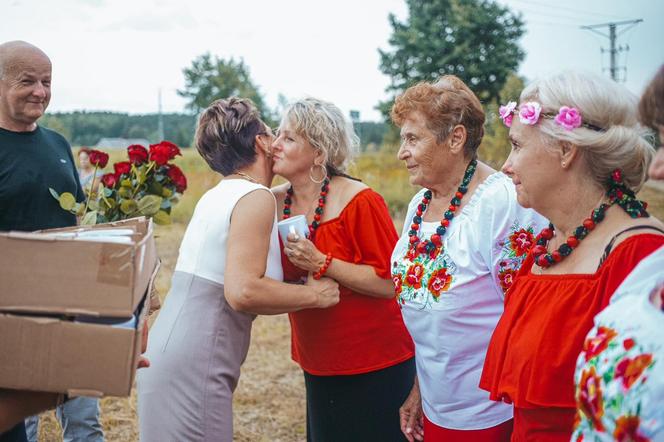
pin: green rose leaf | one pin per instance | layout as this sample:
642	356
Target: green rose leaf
89	219
67	201
128	206
149	205
107	192
162	218
156	188
93	205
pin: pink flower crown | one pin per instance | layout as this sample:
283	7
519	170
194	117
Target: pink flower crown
530	113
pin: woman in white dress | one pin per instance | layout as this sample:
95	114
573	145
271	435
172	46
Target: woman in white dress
228	271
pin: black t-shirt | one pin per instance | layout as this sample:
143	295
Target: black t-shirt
30	163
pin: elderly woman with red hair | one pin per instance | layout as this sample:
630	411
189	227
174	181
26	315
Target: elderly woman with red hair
464	237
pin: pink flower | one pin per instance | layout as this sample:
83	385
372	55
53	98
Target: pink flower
569	118
529	113
506	113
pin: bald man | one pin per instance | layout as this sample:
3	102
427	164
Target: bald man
32	159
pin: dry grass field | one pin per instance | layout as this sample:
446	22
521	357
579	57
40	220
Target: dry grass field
269	401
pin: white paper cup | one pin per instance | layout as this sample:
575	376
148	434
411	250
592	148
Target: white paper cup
295	224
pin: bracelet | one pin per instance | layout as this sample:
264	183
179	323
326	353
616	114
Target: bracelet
319	274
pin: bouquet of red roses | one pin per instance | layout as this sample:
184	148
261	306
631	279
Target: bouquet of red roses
146	185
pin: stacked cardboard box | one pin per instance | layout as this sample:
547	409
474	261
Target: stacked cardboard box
72	304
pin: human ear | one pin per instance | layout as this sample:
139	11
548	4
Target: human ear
457	139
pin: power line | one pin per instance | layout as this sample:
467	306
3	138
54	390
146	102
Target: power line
613	49
575	10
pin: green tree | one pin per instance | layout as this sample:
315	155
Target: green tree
476	40
210	78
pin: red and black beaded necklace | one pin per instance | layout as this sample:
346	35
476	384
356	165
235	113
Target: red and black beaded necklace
618	193
435	242
319	210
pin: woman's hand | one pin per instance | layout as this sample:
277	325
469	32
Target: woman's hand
303	253
411	415
327	290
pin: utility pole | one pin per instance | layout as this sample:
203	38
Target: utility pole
612	36
160	122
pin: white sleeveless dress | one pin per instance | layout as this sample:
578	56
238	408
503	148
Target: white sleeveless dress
198	342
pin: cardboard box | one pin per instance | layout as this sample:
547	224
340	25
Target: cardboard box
59	355
42	274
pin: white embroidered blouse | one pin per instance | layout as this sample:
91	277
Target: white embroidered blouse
620	372
451	303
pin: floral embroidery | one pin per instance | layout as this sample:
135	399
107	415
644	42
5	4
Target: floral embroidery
629	370
514	250
506	277
423	278
439	282
597	344
610	386
414	276
590	398
396	279
521	241
627	430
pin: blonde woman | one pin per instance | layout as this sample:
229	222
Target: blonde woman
578	156
356	356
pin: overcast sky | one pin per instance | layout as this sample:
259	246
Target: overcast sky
116	54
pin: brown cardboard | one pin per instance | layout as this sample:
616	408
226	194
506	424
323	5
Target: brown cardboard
51	354
39	274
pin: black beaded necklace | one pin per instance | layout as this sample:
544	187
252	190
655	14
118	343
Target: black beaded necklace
618	193
435	242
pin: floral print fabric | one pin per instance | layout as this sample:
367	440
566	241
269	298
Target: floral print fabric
620	375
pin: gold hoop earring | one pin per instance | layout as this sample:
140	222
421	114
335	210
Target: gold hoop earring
324	173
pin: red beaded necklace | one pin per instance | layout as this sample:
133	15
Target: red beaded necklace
435	242
318	212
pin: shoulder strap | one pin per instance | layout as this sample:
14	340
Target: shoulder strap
609	246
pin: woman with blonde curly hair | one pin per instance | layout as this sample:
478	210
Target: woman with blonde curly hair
357	356
578	156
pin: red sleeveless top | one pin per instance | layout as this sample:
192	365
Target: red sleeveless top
532	354
361	333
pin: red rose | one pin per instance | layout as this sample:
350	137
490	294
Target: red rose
122	168
177	177
98	158
173	148
160	154
166	150
109	180
137	154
